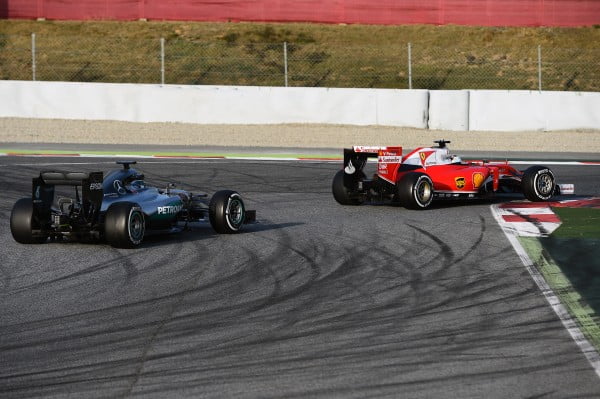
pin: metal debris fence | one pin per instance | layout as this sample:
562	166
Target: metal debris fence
303	64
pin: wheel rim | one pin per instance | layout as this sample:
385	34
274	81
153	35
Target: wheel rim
235	213
136	226
423	192
544	184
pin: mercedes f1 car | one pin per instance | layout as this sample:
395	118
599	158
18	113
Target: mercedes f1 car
429	173
119	208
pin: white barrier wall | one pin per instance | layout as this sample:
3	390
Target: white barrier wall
504	110
213	104
481	110
449	110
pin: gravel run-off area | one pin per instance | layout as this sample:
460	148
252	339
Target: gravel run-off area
18	130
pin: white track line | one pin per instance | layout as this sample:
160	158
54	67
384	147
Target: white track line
586	347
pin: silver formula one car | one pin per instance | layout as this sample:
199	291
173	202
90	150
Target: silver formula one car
119	208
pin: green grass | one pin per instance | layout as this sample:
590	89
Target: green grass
578	223
443	57
571	269
569	261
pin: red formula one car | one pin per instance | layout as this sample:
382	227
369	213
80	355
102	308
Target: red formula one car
429	173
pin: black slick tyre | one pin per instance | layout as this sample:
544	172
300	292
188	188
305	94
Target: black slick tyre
22	223
124	225
341	194
415	191
538	183
226	212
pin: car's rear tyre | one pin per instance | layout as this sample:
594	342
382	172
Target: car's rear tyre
538	183
226	212
124	225
22	222
341	194
415	190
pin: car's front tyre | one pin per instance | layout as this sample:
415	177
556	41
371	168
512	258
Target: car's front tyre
538	183
124	225
226	212
23	222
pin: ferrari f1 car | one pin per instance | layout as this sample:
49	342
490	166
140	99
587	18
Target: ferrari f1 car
119	208
429	173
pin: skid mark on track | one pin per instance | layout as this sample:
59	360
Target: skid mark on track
354	303
179	299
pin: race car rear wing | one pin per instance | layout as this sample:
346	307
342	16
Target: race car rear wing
355	158
42	192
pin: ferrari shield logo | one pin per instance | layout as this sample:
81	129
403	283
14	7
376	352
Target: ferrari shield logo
460	182
424	155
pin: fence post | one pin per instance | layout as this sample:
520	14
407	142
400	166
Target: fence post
539	68
33	56
162	60
285	63
409	67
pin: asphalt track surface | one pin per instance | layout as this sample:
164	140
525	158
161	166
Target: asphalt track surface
314	300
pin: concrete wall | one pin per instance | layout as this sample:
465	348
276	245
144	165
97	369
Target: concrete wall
493	110
507	110
449	110
212	104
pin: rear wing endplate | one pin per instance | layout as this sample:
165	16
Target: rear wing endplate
91	190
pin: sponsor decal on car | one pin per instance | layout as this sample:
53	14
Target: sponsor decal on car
478	179
95	186
350	169
168	209
367	148
460	182
424	155
392	158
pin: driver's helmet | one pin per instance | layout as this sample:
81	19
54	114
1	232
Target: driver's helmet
455	159
134	182
136	185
